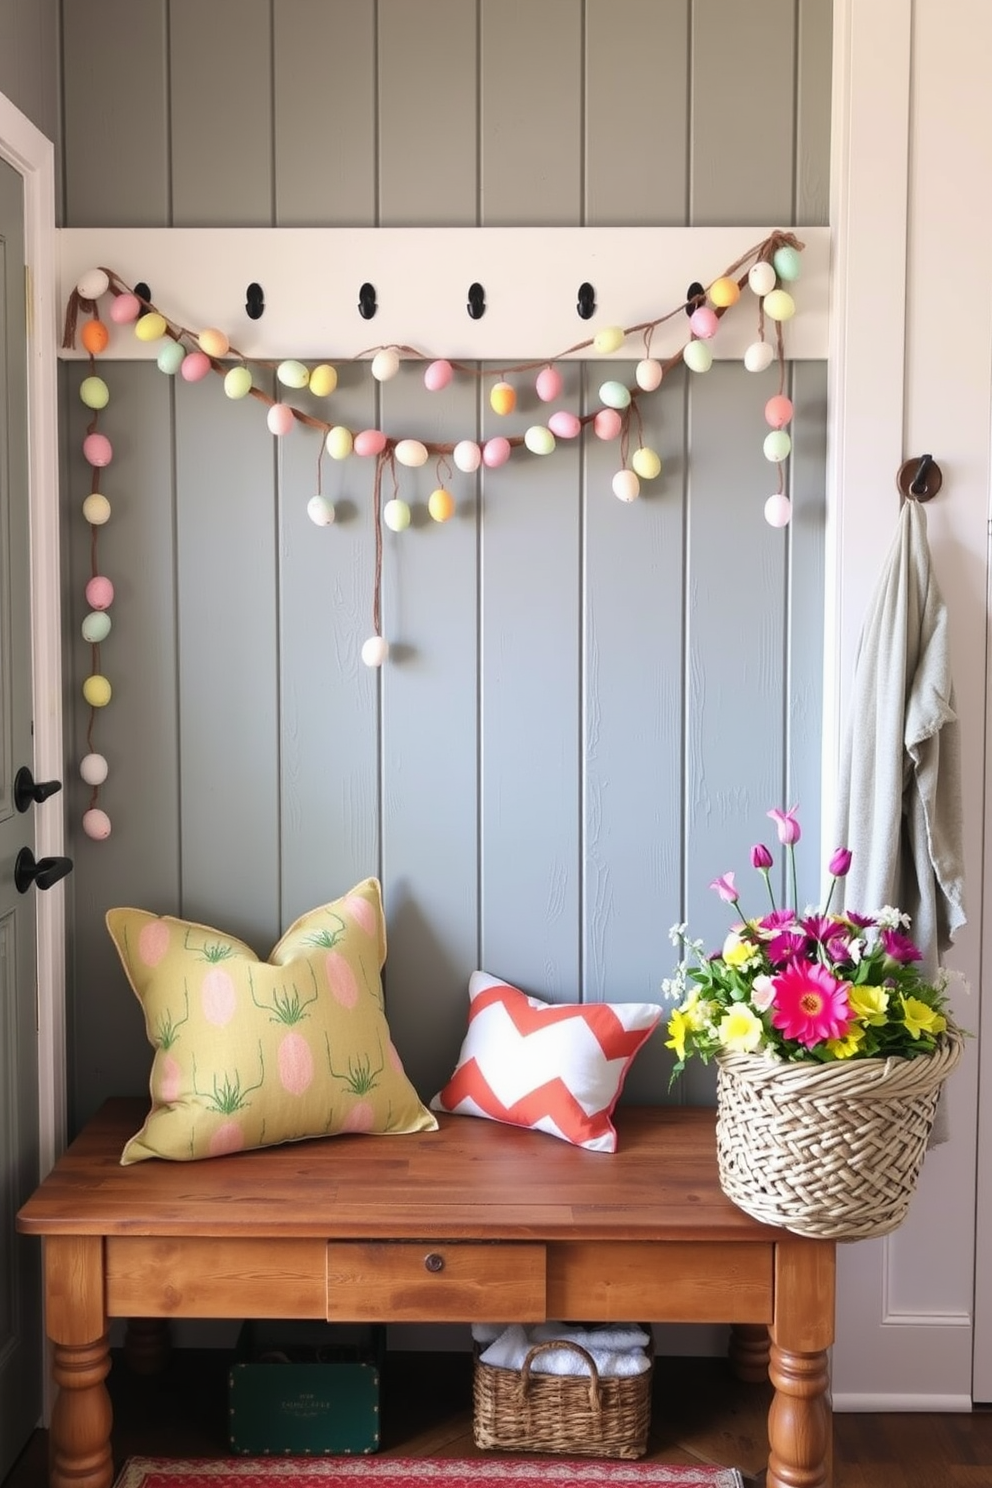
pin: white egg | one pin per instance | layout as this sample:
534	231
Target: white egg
375	650
93	768
758	356
92	284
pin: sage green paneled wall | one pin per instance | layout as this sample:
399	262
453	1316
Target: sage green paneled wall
590	706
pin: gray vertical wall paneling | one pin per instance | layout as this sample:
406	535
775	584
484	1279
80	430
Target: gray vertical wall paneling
632	820
742	112
29	48
136	732
430	737
531	112
806	602
116	113
428	113
229	692
531	607
328	703
736	577
815	43
221	113
324	113
636	85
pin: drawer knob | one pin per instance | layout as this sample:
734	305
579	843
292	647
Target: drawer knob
434	1262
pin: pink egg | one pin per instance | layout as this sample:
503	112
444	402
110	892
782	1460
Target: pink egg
194	366
124	308
280	418
495	452
369	442
564	424
704	322
778	411
607	423
98	450
96	824
99	593
548	384
437	376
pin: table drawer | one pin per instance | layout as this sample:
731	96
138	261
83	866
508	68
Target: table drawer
435	1281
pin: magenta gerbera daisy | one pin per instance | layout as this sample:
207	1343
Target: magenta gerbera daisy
810	1005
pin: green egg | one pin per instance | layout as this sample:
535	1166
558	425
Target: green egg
293	374
787	262
96	627
237	382
614	395
697	356
539	440
170	358
94	392
777	445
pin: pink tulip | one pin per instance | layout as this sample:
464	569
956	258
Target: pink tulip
725	888
788	827
840	863
761	858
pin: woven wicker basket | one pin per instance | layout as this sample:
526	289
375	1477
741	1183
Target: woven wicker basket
578	1415
828	1150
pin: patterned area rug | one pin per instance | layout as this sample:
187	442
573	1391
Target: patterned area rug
416	1472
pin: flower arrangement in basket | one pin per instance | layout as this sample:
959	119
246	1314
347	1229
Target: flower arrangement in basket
831	1051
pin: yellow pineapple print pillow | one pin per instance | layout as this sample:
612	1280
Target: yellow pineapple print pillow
251	1053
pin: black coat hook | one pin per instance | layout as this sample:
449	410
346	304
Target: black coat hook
476	305
254	302
144	293
694	296
586	302
919	479
367	305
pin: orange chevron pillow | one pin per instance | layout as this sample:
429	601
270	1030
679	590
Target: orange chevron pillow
552	1067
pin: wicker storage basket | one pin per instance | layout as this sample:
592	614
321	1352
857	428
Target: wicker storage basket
828	1150
578	1415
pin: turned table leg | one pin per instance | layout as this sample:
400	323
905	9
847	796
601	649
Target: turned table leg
81	1417
748	1352
147	1344
76	1322
799	1420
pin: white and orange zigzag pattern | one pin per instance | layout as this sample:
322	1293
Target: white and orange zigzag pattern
557	1068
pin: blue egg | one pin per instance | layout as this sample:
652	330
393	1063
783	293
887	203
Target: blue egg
170	358
614	395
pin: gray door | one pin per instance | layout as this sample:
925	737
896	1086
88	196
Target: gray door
20	1295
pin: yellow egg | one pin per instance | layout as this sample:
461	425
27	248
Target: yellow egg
724	291
96	509
339	442
503	397
150	327
96	691
323	380
610	338
646	463
440	504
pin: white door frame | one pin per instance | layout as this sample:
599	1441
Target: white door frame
33	157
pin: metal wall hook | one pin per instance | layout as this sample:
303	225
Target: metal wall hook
919	479
367	305
694	296
143	292
586	302
476	305
254	302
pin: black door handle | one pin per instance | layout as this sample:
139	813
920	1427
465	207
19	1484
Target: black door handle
43	873
27	793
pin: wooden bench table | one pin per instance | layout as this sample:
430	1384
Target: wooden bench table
475	1222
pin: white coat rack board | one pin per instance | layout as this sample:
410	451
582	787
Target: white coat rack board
294	303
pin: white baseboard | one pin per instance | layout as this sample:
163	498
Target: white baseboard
900	1404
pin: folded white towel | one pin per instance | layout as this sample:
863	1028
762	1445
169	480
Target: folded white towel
487	1332
513	1345
610	1336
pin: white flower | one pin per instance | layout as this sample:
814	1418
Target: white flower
762	993
890	918
677	933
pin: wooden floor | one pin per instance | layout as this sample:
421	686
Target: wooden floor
700	1413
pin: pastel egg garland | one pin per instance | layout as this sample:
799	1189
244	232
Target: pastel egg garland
769	270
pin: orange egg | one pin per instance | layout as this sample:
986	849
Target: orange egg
503	398
94	337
